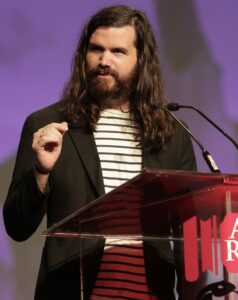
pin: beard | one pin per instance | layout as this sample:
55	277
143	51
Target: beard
110	90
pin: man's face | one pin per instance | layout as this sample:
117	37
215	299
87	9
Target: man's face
111	62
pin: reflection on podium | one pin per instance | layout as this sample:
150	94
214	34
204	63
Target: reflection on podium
185	222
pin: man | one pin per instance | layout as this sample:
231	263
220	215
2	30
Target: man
102	133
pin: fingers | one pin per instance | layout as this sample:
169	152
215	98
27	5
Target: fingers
61	127
57	127
50	134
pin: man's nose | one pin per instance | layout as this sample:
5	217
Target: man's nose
105	59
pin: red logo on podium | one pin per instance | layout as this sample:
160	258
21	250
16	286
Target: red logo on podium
205	239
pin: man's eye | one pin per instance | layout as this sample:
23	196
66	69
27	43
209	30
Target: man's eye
95	49
119	51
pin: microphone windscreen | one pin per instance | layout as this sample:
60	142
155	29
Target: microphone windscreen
173	106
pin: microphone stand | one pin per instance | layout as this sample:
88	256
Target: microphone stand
175	106
206	155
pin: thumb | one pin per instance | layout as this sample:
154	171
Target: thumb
64	127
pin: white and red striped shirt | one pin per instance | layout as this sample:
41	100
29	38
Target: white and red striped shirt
122	270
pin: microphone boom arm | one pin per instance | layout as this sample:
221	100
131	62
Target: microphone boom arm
175	106
207	156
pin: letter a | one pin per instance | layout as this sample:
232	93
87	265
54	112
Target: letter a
235	229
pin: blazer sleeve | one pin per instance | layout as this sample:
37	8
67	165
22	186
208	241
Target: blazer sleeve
25	205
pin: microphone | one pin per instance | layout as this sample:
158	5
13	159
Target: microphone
175	107
206	155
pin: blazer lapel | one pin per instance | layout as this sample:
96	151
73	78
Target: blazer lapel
86	148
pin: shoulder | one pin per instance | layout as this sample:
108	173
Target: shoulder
181	134
48	112
180	149
45	116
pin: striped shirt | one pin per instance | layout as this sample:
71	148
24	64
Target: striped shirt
122	270
119	153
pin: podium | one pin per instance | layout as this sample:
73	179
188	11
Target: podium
186	222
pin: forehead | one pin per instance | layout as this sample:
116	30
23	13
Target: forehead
114	36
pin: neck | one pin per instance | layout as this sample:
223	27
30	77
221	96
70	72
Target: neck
116	104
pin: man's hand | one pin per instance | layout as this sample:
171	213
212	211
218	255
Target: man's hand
47	144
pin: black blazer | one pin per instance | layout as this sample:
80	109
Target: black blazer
75	181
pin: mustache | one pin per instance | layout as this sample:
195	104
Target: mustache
103	71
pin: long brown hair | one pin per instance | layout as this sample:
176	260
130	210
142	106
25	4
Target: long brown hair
155	126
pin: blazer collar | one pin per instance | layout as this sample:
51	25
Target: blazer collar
87	151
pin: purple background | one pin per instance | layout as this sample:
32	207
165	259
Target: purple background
198	47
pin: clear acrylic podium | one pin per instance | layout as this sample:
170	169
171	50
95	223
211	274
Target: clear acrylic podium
187	223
